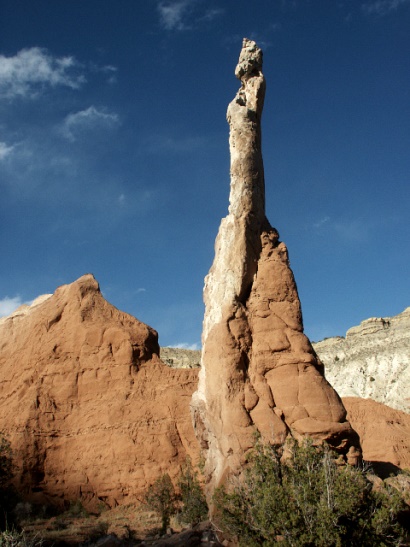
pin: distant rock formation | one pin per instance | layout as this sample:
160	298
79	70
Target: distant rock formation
89	408
373	361
259	371
181	358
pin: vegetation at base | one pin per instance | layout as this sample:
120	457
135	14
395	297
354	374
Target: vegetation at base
307	500
161	497
8	496
189	502
13	538
194	507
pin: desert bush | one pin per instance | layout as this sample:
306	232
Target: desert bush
8	496
77	509
307	500
13	538
161	497
194	506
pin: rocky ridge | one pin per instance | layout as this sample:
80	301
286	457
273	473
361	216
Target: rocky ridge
372	361
259	371
89	408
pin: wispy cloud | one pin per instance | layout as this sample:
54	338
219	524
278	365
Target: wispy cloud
86	120
383	7
9	305
5	150
210	15
185	14
350	230
32	70
321	222
172	14
184	345
356	230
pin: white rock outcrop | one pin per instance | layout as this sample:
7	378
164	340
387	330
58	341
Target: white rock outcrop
372	362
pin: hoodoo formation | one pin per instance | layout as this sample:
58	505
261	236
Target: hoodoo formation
259	371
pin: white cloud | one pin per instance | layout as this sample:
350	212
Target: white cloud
382	7
184	345
32	70
171	14
348	230
5	150
9	305
320	222
88	119
184	14
210	15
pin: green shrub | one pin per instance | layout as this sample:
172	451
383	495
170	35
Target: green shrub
307	500
161	497
194	506
77	509
8	495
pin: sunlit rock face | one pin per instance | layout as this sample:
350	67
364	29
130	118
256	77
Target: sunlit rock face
372	361
91	411
259	372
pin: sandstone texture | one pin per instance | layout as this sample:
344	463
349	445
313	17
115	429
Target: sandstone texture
259	371
384	433
181	358
373	361
90	409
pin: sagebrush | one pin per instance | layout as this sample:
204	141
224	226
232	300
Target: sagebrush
307	500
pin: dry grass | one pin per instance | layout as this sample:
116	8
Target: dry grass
127	522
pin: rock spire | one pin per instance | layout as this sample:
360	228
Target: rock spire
259	371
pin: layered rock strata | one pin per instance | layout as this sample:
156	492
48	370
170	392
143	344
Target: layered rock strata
259	372
372	361
90	409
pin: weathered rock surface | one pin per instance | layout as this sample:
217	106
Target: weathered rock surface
89	408
384	433
373	361
259	371
181	358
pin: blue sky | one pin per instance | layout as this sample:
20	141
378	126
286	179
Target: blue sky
114	151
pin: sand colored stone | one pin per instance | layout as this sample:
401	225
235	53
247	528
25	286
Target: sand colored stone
259	371
384	433
89	408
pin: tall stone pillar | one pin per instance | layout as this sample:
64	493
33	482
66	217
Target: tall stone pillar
259	371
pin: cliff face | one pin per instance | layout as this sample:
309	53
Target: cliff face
384	434
373	361
89	408
259	371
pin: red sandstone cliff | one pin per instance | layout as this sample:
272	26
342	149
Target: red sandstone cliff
89	408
